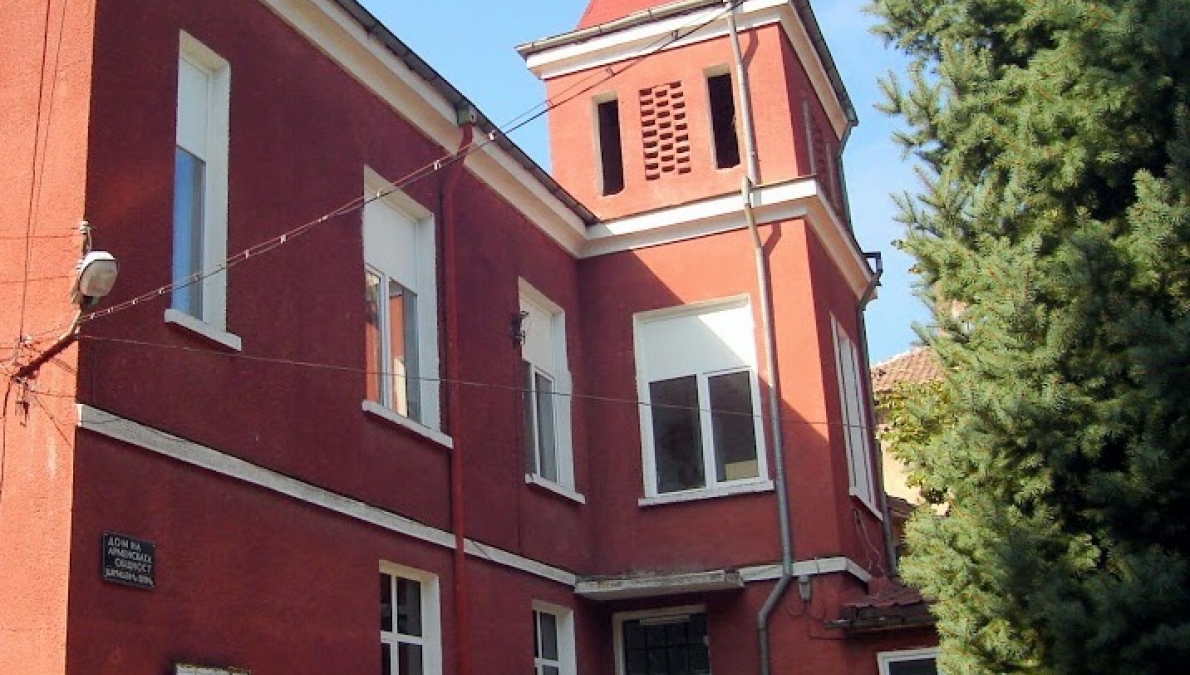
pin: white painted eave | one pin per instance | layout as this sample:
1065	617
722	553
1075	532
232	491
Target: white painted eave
589	49
658	585
364	57
777	202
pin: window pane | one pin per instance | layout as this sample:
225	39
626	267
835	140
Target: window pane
386	603
550	670
922	666
408	607
733	425
189	193
412	365
402	334
547	441
409	659
386	659
727	144
549	636
529	399
677	439
373	341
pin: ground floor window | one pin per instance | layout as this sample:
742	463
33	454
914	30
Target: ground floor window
410	638
553	640
909	662
670	642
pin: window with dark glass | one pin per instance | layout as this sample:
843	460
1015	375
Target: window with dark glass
611	153
402	635
547	657
675	645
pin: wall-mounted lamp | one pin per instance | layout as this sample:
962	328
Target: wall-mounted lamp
517	328
876	260
96	275
804	587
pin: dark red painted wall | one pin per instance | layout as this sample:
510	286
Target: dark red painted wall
250	578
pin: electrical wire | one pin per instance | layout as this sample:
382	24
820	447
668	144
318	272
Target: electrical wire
473	384
431	168
34	174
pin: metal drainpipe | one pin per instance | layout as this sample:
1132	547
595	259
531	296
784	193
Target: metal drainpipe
770	352
450	295
890	549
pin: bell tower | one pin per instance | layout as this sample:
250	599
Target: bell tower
651	102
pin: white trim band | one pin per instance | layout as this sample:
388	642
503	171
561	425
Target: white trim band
168	445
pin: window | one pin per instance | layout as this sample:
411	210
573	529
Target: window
553	640
727	143
697	371
410	633
856	434
200	187
547	389
400	303
611	154
908	662
665	642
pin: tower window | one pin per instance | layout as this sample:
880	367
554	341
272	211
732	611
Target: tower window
727	144
611	155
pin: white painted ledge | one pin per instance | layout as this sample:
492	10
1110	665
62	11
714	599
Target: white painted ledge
393	417
750	487
556	488
203	330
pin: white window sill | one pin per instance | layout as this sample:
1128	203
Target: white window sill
203	330
393	417
867	503
556	488
727	490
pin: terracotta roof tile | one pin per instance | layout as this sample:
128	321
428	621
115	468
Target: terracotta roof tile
914	367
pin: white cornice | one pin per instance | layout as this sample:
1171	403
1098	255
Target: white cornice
165	444
342	39
154	440
639	40
799	198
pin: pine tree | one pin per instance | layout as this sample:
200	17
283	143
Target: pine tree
1052	235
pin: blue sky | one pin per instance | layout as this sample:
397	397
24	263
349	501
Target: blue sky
471	43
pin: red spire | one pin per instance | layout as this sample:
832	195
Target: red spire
602	11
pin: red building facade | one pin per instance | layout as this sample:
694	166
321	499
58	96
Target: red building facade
555	421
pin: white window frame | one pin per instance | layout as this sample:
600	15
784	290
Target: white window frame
383	254
544	350
206	135
855	427
883	659
747	361
620	618
431	609
567	663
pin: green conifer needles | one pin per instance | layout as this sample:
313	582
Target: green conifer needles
1052	234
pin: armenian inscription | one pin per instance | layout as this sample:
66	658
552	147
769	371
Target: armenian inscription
127	560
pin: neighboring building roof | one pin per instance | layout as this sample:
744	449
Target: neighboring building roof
916	366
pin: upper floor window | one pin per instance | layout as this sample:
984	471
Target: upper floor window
611	152
547	386
723	122
697	375
200	187
856	432
553	640
410	629
400	297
